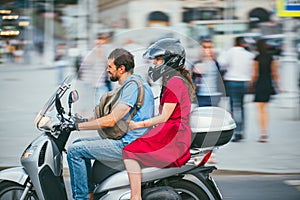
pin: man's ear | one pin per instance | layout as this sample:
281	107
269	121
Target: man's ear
122	69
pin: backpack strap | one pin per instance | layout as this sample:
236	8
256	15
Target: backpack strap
140	97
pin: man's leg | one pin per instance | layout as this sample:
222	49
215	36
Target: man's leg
204	101
78	171
235	91
81	151
244	88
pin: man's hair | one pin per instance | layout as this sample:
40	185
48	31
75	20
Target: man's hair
206	40
239	41
122	57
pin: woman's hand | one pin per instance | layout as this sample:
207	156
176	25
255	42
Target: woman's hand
133	125
167	110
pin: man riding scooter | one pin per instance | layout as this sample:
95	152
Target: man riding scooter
120	67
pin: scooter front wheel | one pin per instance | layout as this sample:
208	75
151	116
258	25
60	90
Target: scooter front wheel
13	191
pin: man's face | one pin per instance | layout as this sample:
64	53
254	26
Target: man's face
207	49
102	40
112	70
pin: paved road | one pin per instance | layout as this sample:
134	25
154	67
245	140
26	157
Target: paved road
259	187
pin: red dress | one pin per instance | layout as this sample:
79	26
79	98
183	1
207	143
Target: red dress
168	144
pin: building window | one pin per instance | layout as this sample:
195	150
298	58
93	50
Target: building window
158	18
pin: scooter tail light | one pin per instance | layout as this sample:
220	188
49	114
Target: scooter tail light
205	158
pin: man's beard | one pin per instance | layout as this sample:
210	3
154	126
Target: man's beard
113	78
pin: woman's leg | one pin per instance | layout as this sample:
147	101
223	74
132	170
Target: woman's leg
263	121
135	178
263	117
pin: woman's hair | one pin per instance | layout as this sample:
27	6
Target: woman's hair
261	46
186	76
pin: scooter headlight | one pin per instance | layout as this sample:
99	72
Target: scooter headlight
28	152
44	122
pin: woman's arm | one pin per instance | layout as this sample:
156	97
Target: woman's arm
274	69
275	75
254	72
167	110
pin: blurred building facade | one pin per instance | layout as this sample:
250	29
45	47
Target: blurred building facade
203	18
141	13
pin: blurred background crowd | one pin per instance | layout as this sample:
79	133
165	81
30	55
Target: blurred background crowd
65	33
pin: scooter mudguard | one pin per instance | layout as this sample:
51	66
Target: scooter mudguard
17	175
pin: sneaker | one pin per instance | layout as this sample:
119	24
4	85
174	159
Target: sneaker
237	138
263	138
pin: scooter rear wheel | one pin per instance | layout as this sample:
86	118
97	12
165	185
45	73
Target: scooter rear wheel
13	191
188	190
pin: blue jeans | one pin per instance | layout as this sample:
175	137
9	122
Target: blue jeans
208	100
79	157
236	91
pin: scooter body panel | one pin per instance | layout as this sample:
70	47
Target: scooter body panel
120	193
44	167
120	179
16	174
43	152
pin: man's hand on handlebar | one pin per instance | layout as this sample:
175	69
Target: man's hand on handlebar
69	126
79	119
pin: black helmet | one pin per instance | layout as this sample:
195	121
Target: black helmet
172	53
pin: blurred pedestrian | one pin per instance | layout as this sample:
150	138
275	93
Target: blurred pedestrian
93	72
265	78
238	63
105	43
60	61
38	41
18	53
10	49
205	75
75	58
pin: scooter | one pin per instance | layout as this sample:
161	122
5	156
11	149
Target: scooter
41	175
